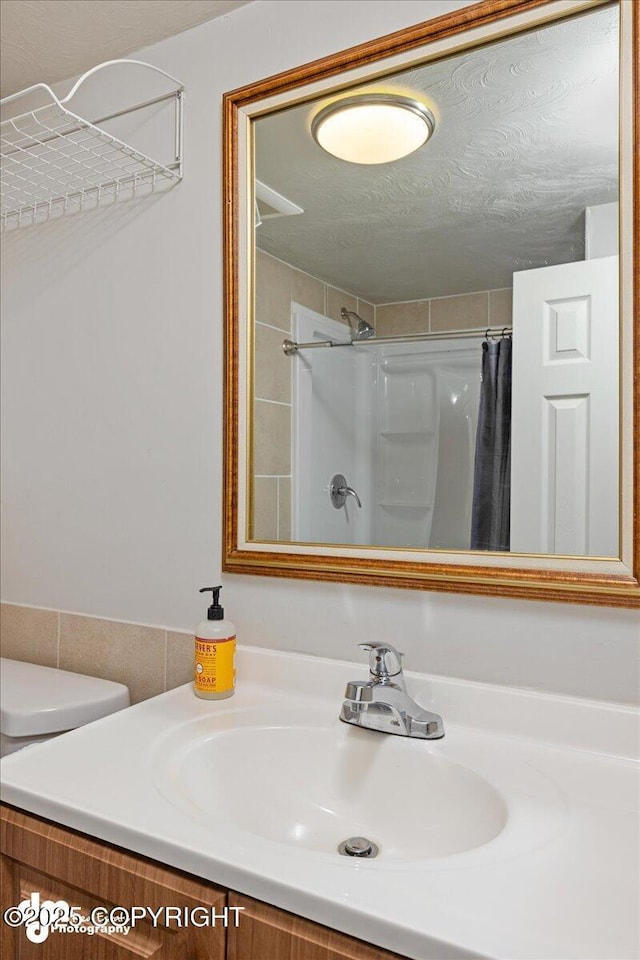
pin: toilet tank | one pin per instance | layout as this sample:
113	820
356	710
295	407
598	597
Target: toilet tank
37	702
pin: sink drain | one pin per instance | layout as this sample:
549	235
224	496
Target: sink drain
358	847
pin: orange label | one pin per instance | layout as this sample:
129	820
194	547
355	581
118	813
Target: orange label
215	665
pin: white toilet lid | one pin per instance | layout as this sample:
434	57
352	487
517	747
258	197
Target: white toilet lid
36	700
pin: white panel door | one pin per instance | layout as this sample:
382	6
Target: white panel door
564	447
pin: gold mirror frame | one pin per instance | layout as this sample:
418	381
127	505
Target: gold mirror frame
610	582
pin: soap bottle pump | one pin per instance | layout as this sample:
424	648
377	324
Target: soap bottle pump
215	649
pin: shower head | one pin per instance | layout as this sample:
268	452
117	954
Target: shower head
360	329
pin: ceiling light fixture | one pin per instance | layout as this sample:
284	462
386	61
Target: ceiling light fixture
373	127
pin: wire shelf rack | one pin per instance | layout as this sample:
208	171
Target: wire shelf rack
54	161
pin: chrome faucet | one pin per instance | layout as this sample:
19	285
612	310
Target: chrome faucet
382	702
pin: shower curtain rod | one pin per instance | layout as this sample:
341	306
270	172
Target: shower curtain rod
290	348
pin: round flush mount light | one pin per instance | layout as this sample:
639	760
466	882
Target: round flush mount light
373	127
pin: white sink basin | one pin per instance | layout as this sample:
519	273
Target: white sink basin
499	840
315	786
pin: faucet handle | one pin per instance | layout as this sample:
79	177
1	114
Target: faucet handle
385	662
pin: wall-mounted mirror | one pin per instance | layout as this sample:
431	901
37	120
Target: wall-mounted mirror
430	309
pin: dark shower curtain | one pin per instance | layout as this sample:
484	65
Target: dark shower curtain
492	472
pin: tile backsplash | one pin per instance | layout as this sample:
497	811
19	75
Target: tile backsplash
149	660
27	633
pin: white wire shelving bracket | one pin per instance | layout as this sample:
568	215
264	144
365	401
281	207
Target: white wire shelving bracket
54	161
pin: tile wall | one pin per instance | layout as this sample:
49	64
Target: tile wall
277	285
148	660
489	308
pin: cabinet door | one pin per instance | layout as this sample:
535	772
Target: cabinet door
60	864
266	933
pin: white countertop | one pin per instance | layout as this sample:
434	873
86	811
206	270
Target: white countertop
560	881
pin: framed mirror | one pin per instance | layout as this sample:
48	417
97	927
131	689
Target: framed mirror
432	328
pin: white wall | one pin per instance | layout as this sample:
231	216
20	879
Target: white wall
112	354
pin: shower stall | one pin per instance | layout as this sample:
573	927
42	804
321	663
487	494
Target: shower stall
398	422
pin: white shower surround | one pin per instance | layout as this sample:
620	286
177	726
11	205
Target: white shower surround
399	422
428	399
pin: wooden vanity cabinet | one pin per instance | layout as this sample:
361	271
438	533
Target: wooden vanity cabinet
64	865
60	864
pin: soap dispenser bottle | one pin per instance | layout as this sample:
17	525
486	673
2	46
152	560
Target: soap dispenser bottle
215	674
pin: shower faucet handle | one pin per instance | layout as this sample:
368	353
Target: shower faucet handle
339	490
350	492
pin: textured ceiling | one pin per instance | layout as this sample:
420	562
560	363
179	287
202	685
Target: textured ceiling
526	138
49	40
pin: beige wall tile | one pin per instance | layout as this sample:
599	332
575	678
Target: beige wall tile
461	312
272	367
397	319
126	652
367	311
273	292
336	299
284	508
272	439
307	291
180	655
265	508
29	634
500	308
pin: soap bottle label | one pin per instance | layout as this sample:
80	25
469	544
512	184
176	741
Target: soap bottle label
215	665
